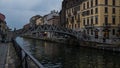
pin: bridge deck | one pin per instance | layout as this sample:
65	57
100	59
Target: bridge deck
3	54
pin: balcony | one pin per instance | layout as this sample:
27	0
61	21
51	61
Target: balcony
107	25
89	26
86	13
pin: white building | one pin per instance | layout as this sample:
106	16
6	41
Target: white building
51	16
51	19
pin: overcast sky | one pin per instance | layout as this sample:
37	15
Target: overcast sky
18	12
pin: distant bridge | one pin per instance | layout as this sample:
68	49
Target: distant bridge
57	29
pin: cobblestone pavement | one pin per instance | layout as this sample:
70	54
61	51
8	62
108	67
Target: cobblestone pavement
3	54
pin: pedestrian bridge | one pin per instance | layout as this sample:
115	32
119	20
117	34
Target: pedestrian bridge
57	29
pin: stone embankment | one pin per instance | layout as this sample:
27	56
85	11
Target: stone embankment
54	40
68	41
88	44
101	46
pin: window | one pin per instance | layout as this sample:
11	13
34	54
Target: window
91	11
106	10
72	10
70	26
91	31
75	25
113	31
106	20
72	20
96	2
78	18
91	20
96	10
87	4
84	6
106	2
113	2
88	12
96	34
67	20
113	10
91	3
96	20
84	22
87	21
113	20
88	31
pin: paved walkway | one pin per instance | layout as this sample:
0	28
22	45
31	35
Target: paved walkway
3	54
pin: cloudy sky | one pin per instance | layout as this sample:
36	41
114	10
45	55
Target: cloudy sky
18	12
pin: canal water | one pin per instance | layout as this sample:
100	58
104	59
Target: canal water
54	55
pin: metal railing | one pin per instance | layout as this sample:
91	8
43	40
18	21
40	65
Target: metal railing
107	25
25	58
91	26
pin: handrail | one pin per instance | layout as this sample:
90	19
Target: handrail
36	62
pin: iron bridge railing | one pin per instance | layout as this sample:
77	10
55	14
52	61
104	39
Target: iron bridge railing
25	58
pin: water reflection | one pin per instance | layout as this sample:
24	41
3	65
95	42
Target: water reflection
53	55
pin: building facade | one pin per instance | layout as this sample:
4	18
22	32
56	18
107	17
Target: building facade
100	19
3	24
52	18
3	27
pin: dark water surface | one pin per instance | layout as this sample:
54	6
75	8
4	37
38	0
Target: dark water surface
54	55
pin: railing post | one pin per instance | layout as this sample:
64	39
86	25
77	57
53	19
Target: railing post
24	57
26	63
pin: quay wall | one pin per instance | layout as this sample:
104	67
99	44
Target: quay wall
101	46
47	39
88	44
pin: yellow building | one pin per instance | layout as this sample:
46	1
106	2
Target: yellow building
100	19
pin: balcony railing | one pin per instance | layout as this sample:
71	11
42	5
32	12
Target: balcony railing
89	26
107	25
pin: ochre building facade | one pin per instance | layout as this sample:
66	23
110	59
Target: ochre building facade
100	19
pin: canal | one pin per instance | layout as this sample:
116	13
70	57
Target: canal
54	55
